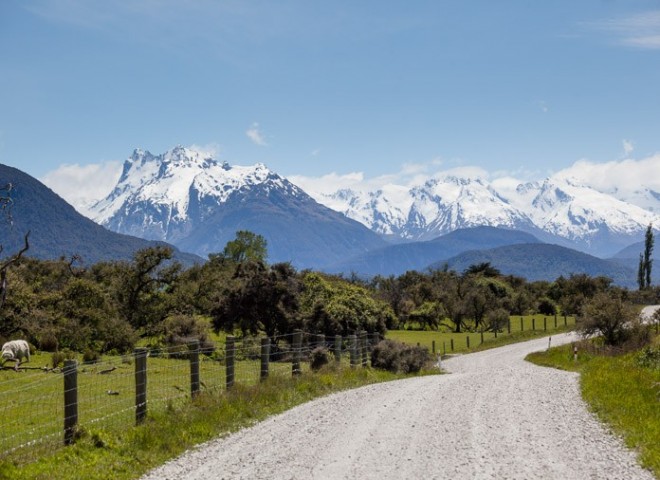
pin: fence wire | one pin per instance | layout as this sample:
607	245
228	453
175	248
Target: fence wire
32	401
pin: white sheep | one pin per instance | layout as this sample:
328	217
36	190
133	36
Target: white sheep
15	350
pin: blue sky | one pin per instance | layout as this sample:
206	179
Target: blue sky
311	88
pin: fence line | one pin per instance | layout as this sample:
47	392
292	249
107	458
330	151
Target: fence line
48	407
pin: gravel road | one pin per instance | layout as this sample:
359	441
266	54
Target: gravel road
494	416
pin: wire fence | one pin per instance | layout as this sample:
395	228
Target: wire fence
46	408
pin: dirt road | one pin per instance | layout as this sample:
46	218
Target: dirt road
494	416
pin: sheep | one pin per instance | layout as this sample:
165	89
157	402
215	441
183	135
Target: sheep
15	350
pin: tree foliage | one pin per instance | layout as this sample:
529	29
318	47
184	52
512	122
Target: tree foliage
607	315
247	246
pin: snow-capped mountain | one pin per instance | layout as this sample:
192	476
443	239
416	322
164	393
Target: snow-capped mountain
186	197
162	197
439	206
556	210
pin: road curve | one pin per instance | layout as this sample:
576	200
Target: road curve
494	416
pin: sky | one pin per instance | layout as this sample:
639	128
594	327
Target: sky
332	93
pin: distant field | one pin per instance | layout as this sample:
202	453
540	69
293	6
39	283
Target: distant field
532	326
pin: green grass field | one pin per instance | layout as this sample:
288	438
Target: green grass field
622	393
127	453
532	326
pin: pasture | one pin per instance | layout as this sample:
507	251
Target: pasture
522	328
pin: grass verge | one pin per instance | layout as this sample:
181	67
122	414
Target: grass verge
623	394
102	454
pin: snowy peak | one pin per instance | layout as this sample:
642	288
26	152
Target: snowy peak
562	209
574	211
157	194
439	205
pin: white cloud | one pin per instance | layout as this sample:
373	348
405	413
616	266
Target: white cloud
625	179
628	147
209	150
638	31
329	183
82	185
255	135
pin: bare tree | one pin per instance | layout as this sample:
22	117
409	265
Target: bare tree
6	202
4	266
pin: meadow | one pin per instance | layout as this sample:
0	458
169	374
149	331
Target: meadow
522	328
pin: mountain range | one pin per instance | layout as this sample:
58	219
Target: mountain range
197	203
560	211
57	229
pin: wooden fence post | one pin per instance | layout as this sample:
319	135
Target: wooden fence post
193	348
265	358
433	347
482	335
337	348
545	324
508	326
565	320
555	321
521	324
352	340
140	385
468	341
533	323
297	350
451	340
70	400
365	348
230	355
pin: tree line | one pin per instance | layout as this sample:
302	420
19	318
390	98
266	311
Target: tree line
110	306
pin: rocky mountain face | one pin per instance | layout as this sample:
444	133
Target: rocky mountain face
198	204
555	211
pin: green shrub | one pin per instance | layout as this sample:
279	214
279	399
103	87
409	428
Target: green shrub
318	358
649	357
396	357
90	356
48	342
57	358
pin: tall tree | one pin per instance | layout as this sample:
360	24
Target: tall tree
247	246
641	277
648	251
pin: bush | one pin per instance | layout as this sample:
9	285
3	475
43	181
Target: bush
318	358
90	356
397	357
497	319
609	316
547	307
181	330
48	342
57	358
649	357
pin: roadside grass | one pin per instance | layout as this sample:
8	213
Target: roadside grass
533	326
620	392
127	453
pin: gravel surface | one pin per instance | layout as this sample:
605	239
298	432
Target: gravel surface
494	417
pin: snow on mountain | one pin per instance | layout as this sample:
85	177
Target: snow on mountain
186	197
156	194
563	209
440	205
575	211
